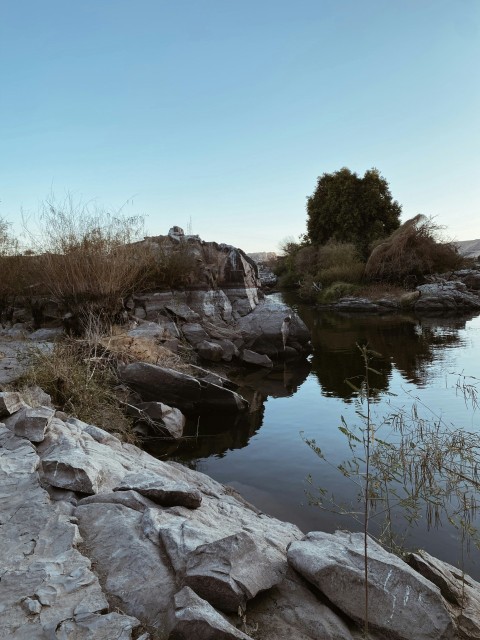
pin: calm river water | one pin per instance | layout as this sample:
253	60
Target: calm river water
265	457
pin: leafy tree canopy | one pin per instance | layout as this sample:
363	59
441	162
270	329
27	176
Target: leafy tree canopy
347	208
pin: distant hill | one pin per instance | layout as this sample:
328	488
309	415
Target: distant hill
469	248
262	256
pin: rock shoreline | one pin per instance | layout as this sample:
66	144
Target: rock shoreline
100	540
449	294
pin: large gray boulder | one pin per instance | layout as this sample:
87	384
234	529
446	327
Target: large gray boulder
402	604
136	574
153	418
229	572
291	611
33	423
446	296
261	329
180	390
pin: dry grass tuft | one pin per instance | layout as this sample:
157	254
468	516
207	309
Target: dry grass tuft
411	252
124	348
81	382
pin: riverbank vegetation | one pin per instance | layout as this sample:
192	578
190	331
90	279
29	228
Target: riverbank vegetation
355	242
86	258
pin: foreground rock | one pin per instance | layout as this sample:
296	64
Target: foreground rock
402	604
158	548
47	587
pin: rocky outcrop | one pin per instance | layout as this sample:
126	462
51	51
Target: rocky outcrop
159	549
451	293
446	296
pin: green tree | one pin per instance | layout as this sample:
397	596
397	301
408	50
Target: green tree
347	208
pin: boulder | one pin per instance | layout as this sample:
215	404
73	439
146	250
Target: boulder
34	423
459	589
136	573
160	384
10	403
229	572
208	350
197	619
160	418
261	329
449	296
161	490
291	611
45	581
180	390
182	311
334	563
251	357
194	333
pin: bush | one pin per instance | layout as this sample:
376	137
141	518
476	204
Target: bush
412	252
321	266
87	259
336	291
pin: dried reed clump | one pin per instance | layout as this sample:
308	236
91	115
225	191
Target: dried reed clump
85	256
411	252
124	349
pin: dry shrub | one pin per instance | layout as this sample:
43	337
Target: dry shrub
172	265
81	382
411	252
86	256
126	348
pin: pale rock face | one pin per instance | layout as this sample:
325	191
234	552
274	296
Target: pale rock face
334	563
461	592
45	581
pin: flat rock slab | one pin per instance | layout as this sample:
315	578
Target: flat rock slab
402	604
136	574
230	571
160	384
197	619
257	359
163	491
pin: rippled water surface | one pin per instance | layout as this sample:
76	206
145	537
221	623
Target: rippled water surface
264	455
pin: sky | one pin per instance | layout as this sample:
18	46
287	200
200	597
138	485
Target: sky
219	115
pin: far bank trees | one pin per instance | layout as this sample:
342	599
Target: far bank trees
347	208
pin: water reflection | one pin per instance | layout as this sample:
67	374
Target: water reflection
216	434
263	454
405	342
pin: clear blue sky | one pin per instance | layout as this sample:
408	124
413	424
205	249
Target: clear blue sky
225	112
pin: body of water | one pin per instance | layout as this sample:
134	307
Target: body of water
265	455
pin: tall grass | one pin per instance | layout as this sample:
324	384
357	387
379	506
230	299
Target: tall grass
414	250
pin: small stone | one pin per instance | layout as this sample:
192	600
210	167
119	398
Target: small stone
31	605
